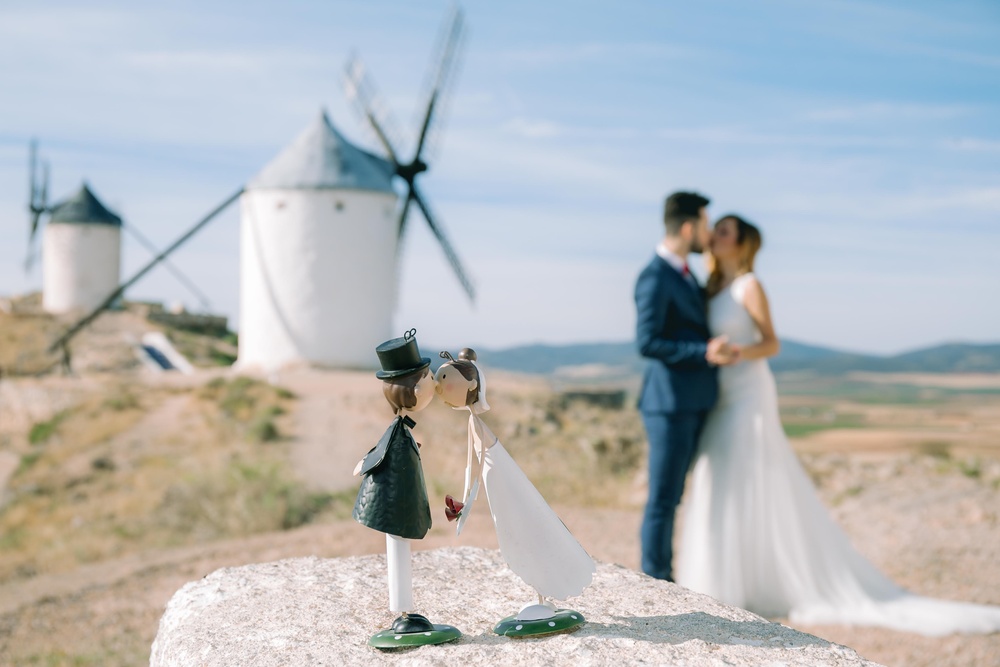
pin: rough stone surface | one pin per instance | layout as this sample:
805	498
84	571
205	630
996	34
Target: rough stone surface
313	611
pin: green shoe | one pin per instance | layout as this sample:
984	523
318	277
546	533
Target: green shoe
413	630
562	620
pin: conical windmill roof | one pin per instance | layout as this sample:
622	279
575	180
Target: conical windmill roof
85	209
320	158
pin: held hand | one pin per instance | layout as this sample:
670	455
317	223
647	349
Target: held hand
718	351
735	355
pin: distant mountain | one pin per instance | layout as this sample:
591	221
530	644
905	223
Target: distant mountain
546	359
794	356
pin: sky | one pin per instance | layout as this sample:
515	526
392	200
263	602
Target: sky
863	138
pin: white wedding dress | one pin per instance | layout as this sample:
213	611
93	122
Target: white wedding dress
755	532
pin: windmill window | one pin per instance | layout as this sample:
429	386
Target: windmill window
339	206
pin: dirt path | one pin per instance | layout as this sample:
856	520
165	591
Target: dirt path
8	464
329	415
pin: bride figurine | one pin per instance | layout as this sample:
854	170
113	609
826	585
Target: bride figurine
533	540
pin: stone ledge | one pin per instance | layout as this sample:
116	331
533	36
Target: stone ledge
312	611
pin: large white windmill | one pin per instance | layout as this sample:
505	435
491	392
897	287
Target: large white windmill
318	243
320	233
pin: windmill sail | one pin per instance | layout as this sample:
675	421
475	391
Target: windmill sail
360	88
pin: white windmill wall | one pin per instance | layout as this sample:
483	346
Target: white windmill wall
317	276
80	265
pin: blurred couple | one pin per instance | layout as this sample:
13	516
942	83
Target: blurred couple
756	534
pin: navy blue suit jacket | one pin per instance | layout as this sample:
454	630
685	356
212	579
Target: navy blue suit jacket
672	333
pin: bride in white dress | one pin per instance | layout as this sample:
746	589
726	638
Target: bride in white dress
756	534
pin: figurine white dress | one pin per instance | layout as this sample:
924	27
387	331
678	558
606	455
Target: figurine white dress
533	540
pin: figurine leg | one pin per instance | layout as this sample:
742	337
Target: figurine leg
409	629
397	551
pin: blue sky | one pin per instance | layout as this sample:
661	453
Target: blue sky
863	138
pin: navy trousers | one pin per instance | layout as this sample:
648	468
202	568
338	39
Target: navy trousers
673	441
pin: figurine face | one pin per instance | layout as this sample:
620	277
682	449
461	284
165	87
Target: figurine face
424	391
452	387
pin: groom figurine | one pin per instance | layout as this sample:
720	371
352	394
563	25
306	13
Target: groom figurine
679	386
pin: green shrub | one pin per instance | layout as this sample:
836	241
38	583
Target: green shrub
241	499
262	429
42	431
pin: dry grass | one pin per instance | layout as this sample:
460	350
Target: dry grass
23	340
132	468
140	469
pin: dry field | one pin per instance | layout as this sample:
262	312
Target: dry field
122	487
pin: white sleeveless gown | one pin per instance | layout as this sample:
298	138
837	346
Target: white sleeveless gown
756	534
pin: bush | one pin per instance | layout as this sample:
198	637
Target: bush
42	431
242	499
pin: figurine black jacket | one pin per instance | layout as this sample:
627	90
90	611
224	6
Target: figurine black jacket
393	497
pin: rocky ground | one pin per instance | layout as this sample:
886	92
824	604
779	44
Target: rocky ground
924	510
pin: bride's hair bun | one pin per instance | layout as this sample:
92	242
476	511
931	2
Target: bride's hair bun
468	354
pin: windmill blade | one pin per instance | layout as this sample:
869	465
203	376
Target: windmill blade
29	260
456	263
169	266
32	164
439	81
43	203
37	200
403	214
361	90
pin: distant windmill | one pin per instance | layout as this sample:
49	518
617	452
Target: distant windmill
81	245
320	234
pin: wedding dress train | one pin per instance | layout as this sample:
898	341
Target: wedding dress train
756	534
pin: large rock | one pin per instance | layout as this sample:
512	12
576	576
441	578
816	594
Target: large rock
312	611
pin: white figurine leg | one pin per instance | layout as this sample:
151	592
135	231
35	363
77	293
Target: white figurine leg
397	551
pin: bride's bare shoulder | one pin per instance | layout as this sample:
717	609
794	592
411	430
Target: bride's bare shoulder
747	285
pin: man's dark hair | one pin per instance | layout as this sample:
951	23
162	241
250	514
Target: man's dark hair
682	207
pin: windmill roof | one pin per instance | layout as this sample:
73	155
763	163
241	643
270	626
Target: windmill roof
321	158
84	208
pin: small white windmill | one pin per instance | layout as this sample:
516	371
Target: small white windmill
81	245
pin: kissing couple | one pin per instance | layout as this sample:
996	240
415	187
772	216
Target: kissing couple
756	534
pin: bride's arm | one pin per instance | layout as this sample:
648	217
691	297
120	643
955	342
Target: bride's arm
755	301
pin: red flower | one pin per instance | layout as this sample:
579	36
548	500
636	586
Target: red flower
452	508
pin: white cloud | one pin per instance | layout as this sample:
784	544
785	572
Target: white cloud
889	111
972	145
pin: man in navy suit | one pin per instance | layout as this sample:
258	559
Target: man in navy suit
679	386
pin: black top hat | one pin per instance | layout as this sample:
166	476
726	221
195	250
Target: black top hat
400	356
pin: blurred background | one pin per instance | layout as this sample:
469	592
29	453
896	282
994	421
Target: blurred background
861	136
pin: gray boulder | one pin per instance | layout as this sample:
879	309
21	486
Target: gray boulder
314	611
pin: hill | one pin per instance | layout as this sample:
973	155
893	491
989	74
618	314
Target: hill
795	356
